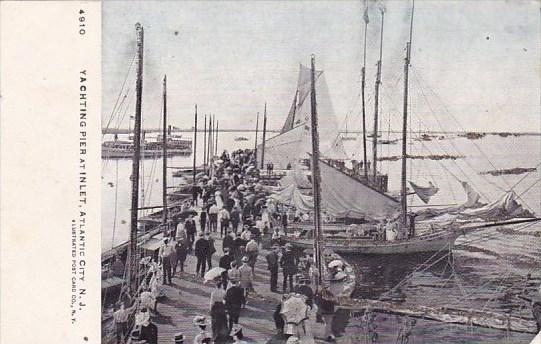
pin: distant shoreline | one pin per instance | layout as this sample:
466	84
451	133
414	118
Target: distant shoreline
189	130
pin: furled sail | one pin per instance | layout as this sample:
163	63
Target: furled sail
471	202
295	176
294	142
343	195
293	197
507	207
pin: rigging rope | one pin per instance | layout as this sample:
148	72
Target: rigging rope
106	162
418	269
119	93
451	142
524	177
529	187
462	128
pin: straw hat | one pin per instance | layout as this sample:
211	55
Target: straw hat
179	338
293	340
200	320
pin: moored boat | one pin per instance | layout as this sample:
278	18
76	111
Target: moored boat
124	150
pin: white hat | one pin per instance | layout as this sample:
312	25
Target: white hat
293	340
200	320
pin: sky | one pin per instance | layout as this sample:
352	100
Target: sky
475	65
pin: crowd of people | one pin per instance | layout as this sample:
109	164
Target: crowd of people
228	203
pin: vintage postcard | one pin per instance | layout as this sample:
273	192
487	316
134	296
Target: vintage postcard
270	171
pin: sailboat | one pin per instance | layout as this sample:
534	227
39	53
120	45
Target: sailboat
145	232
291	145
386	224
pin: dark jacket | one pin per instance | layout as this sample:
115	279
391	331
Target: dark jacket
149	333
189	225
202	248
289	263
228	242
212	249
203	217
272	261
219	322
182	251
306	291
238	243
235	216
278	320
234	298
325	306
225	261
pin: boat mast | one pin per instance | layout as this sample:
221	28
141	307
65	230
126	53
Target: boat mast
164	152
256	130
376	104
363	84
264	134
209	141
216	145
316	177
194	147
205	145
132	250
403	189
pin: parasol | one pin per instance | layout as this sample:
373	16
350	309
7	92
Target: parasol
214	273
294	309
336	263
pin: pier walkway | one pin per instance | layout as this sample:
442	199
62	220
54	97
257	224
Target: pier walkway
189	296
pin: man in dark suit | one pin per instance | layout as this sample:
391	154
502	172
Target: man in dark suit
234	299
225	263
228	241
189	226
272	265
201	252
289	267
304	289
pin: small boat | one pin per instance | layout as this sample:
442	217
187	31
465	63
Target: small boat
388	142
187	171
176	142
241	138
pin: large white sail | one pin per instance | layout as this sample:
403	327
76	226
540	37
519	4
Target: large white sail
343	195
295	142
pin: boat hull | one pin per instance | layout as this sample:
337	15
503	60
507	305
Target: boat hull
351	246
128	154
